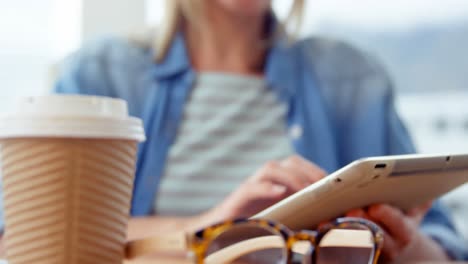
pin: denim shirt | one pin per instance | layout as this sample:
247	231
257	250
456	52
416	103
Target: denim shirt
340	106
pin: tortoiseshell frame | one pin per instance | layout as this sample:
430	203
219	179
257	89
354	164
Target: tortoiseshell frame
199	242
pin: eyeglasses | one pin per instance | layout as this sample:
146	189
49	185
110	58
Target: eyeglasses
248	241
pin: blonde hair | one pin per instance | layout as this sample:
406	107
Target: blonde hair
191	10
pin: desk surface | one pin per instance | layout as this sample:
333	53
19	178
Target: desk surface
159	260
181	261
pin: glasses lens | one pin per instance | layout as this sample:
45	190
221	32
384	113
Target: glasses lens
245	244
349	244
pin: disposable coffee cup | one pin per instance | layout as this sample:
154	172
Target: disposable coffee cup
68	164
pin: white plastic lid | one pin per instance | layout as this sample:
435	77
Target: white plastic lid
72	116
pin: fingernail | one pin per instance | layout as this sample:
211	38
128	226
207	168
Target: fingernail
279	189
353	213
373	210
377	212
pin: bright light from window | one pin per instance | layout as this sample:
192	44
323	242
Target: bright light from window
34	35
65	26
380	15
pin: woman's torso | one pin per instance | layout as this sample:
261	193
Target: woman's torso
231	124
337	101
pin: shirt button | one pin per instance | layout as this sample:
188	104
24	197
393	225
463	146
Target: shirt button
295	132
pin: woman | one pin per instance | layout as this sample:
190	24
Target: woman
222	89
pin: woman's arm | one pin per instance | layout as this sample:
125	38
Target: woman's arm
269	184
143	227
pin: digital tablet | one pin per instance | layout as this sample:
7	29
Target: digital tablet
404	181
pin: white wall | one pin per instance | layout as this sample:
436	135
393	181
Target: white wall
111	16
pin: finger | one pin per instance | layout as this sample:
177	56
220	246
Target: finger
291	166
394	222
252	197
359	213
308	169
419	212
390	249
273	172
265	191
322	224
2	248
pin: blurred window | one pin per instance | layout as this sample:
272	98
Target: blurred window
33	34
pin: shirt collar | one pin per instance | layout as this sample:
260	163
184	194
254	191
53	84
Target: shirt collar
176	59
280	67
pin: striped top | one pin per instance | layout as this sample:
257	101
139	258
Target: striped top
232	124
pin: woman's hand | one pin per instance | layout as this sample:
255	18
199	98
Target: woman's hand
269	184
2	247
403	242
274	181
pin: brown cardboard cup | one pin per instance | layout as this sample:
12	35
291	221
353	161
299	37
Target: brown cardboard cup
66	199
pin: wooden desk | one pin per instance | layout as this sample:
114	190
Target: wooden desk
181	260
175	261
162	260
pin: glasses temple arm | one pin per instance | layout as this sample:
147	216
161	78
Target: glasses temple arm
232	252
163	243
